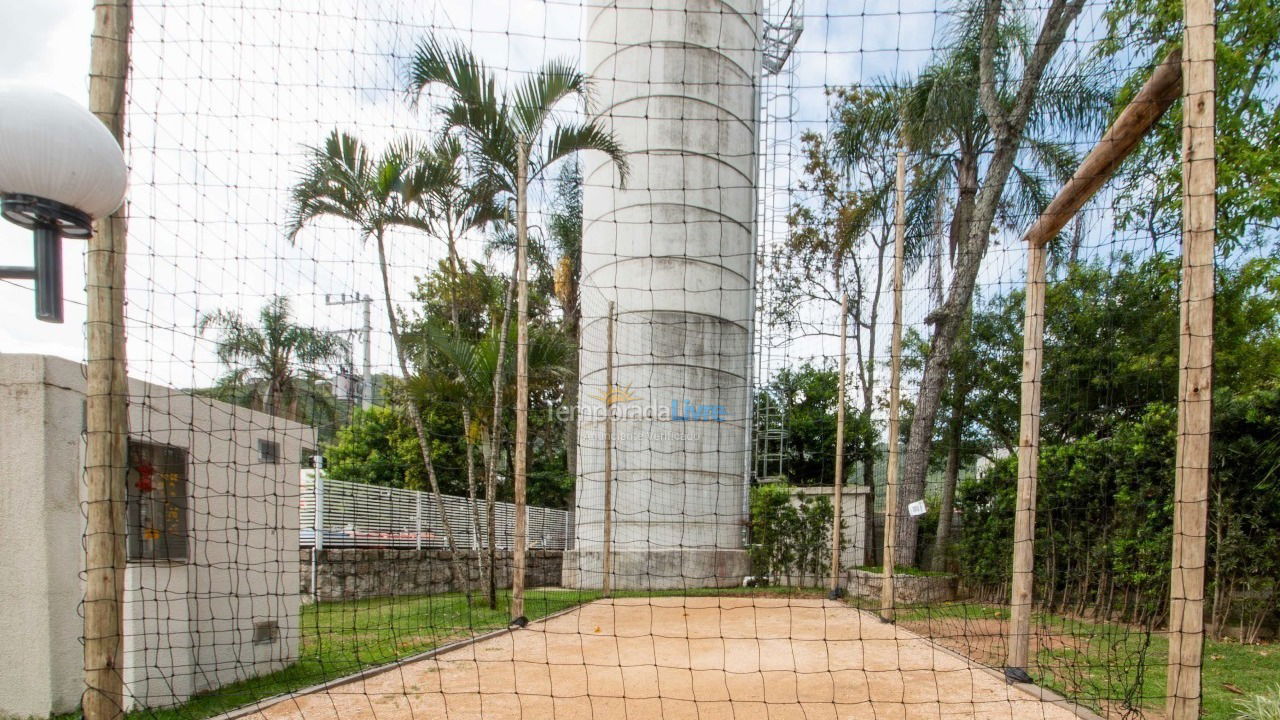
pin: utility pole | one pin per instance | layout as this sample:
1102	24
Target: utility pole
366	385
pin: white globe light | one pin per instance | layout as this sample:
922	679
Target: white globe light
53	148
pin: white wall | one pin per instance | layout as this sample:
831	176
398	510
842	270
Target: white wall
853	511
188	625
677	83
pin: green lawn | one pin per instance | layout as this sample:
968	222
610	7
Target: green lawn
342	638
1087	660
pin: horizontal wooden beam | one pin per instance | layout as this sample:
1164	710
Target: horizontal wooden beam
1157	94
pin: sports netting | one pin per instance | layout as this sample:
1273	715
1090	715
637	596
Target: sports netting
486	362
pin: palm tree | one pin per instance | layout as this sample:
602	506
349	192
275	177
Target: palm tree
515	138
345	180
274	366
453	203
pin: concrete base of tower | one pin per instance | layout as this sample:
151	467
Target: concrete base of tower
674	569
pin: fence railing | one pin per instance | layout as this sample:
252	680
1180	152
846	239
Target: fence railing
349	514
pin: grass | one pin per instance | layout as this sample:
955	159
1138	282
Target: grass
343	638
1100	664
1263	706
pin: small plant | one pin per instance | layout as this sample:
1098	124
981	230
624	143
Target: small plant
790	539
1264	706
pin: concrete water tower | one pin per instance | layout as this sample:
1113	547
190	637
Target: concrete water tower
676	80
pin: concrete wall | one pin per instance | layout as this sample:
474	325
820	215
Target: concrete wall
351	573
677	83
853	509
189	625
907	589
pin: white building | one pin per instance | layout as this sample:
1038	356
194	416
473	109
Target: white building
212	580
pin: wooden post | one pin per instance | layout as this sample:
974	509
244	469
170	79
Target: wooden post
106	393
522	385
1156	95
1024	521
606	558
887	601
837	487
1195	365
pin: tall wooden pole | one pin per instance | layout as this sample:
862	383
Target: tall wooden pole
1133	123
606	558
1024	521
522	384
887	602
1195	364
837	487
106	409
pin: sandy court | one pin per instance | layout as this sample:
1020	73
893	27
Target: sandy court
677	658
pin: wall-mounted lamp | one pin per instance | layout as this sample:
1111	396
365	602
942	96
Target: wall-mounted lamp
60	169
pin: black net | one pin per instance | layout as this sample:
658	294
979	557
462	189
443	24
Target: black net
546	360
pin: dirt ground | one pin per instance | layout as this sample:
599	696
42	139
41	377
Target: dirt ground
677	658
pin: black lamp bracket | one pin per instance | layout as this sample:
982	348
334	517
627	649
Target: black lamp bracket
49	222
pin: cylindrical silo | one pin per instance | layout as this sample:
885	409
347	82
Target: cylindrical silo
676	81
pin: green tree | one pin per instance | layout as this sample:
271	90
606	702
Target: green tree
1247	135
343	179
805	400
378	447
277	365
1108	442
506	132
840	232
978	107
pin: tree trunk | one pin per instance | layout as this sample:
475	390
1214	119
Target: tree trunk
572	320
468	439
954	432
868	405
495	443
522	381
415	414
1007	126
948	319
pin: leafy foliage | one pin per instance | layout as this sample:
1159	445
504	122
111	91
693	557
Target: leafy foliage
790	540
804	400
1247	135
277	365
1104	514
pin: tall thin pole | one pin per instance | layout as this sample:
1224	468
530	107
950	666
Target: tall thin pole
522	383
887	603
1195	364
606	559
366	392
317	524
106	391
366	331
1024	523
837	487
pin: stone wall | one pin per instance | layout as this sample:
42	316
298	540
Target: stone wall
350	573
908	589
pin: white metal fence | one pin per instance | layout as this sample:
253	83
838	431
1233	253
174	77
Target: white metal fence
358	515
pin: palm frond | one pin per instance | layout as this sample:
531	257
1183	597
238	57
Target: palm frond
569	138
536	97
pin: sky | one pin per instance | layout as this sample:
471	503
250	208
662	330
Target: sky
225	98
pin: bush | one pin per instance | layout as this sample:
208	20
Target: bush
790	540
